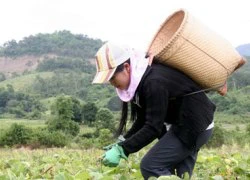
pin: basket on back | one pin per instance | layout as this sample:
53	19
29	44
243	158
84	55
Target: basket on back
188	45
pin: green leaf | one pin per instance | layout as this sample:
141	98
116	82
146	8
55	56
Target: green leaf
172	177
63	176
239	170
217	177
82	175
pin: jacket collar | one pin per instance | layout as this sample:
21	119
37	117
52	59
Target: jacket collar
147	72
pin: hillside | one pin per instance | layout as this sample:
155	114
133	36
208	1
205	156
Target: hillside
27	54
17	65
61	43
24	82
48	65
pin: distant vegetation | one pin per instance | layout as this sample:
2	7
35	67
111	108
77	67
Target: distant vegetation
69	63
62	43
60	92
240	78
20	104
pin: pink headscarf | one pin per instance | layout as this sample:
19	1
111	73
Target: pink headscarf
138	64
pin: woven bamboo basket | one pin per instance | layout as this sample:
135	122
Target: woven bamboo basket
186	44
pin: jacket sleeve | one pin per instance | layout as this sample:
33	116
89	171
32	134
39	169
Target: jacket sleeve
155	98
134	128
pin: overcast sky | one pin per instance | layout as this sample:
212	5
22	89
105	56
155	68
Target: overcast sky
132	22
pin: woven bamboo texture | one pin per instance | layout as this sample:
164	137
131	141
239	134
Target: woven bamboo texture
188	45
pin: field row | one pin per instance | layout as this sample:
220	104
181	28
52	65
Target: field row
62	163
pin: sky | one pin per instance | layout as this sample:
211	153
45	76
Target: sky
132	22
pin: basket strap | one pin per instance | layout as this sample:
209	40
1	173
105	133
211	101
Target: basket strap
196	92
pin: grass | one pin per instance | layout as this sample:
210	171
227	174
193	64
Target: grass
23	82
6	123
230	121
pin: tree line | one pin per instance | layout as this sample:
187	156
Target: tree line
62	43
67	114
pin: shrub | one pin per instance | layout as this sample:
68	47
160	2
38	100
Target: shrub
104	120
114	104
18	112
248	129
105	137
89	112
85	143
52	139
16	134
36	114
217	138
66	126
63	114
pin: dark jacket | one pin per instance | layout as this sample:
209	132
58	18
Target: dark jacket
158	99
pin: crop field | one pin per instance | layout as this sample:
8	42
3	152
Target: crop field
63	163
229	162
6	123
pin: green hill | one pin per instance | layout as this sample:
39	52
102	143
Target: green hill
61	43
68	68
23	82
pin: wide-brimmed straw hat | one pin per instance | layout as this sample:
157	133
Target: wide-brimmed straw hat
108	57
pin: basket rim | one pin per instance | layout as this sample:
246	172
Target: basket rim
175	35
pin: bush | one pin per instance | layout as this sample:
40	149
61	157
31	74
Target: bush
248	129
35	114
85	143
16	134
114	104
66	126
52	139
217	138
63	110
19	113
89	111
104	120
105	137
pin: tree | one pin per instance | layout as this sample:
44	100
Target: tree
218	137
16	134
62	43
10	48
114	104
64	107
77	110
4	98
104	120
248	129
62	121
2	77
89	112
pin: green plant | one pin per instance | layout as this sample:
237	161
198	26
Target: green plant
104	120
217	138
66	126
114	104
52	139
89	113
248	129
105	137
62	120
16	134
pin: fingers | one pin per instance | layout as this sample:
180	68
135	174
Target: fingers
106	162
107	147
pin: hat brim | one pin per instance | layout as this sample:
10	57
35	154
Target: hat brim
103	76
